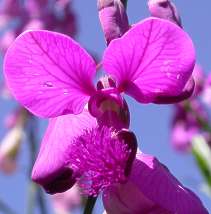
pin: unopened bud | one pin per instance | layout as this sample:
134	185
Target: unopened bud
113	19
164	9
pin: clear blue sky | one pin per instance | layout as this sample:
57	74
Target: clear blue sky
149	122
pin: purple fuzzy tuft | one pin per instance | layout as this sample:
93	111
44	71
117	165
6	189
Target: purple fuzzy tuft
101	159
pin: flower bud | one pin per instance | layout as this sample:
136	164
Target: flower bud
113	19
164	9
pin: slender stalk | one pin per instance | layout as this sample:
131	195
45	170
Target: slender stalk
31	198
90	205
202	154
5	208
35	192
124	2
41	201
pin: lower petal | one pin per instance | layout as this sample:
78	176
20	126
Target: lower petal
52	168
151	188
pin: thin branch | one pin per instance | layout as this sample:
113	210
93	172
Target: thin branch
124	2
90	205
35	192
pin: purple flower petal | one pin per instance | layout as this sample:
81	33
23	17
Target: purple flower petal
154	58
151	189
185	94
49	73
52	168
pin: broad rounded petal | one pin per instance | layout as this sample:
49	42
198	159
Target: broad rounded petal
52	169
49	73
154	58
151	189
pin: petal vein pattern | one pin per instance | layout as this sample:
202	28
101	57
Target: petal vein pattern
49	73
154	58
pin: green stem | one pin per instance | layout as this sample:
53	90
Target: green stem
200	149
124	2
202	154
35	192
90	205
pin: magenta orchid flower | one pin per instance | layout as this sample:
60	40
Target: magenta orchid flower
51	75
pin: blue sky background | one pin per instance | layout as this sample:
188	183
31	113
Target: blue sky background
150	122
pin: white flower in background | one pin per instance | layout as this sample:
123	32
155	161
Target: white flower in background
9	148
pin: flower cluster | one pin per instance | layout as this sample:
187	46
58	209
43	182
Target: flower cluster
35	14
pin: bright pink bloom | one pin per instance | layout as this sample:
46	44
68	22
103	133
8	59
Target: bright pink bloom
51	75
151	189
